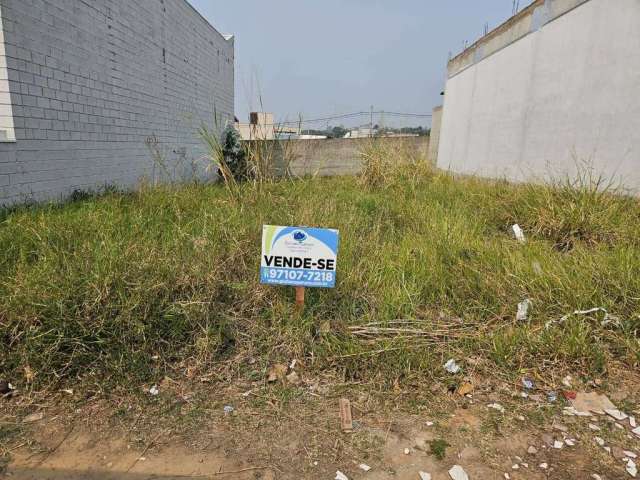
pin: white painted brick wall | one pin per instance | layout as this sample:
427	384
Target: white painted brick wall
90	80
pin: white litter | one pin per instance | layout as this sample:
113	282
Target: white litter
228	409
544	466
558	445
523	310
630	454
632	469
451	366
424	476
515	467
594	427
407	451
566	381
341	476
518	233
605	321
429	424
507	476
617	414
154	390
458	473
496	406
364	467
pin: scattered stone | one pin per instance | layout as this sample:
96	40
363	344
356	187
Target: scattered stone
599	441
570	442
618	453
228	409
636	431
630	454
544	466
632	469
532	450
521	418
566	381
525	465
458	473
515	467
451	366
424	476
154	390
341	476
429	424
507	476
595	476
594	427
465	389
34	417
558	445
496	406
560	427
632	422
364	467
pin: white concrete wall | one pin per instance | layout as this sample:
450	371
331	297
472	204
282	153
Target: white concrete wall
91	80
566	93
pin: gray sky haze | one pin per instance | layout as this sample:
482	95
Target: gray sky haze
326	57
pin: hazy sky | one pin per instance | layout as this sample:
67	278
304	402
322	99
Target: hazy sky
325	57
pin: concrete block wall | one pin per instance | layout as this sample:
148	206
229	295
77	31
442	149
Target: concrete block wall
563	97
94	83
334	157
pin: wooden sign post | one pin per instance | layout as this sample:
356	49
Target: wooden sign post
299	297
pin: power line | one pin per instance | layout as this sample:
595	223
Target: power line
352	115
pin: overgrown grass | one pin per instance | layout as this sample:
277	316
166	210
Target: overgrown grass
127	288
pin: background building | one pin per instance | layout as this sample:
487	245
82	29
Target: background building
99	92
555	86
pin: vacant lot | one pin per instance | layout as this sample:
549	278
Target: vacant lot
105	296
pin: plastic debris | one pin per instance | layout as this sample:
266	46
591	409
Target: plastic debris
587	403
607	319
451	366
154	390
364	467
424	476
518	233
617	414
558	445
552	397
632	469
458	473
566	381
528	384
341	476
407	451
544	466
228	409
523	310
34	417
569	394
496	406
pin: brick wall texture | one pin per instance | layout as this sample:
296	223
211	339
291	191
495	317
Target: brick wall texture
94	86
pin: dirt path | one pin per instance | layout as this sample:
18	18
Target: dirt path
304	441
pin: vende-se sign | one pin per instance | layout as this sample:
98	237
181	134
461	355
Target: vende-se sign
301	257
